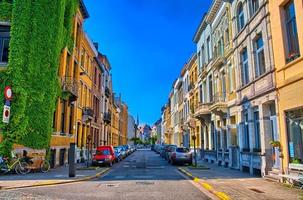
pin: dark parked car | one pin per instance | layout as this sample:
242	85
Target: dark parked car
118	154
180	155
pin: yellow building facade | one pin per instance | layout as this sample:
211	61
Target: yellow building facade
115	125
286	18
65	116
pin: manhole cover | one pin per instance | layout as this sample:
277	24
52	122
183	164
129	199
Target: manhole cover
111	185
256	190
145	183
108	185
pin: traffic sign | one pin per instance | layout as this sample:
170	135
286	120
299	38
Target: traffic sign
6	114
8	93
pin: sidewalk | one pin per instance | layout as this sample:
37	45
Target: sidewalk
240	185
54	176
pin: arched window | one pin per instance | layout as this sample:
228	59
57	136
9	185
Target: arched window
241	18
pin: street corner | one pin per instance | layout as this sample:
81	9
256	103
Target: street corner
17	184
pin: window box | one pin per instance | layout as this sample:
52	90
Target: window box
292	57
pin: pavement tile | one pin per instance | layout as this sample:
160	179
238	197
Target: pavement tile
240	185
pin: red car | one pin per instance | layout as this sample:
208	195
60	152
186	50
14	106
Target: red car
105	155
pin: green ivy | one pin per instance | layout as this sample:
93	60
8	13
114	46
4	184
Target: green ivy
39	32
6	10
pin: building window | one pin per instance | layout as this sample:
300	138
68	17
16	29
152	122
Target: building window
201	93
257	130
241	17
254	6
4	45
294	120
246	146
210	88
291	31
203	55
221	46
244	67
227	36
208	48
231	78
259	59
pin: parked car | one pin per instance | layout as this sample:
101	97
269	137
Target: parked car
105	155
118	154
123	151
168	149
162	151
180	155
157	148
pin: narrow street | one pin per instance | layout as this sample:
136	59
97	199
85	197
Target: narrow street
143	175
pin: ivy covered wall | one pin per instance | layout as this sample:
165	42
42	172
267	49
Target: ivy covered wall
6	10
39	31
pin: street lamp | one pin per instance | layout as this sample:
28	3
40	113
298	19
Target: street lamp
192	125
88	141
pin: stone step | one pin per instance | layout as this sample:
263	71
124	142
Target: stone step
272	178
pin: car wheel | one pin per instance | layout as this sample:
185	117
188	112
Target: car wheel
173	162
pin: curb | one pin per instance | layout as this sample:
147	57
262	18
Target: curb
54	182
205	185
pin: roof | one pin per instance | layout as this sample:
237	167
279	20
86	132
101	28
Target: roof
83	9
202	25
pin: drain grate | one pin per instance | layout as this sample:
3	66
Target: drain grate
256	190
108	185
145	183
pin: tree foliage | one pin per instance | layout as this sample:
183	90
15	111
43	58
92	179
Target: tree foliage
39	31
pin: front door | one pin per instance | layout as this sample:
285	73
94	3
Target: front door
275	137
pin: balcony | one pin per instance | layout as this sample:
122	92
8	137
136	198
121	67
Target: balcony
191	88
219	61
70	85
87	114
219	105
107	118
203	110
107	92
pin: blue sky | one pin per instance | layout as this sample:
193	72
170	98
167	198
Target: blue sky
147	43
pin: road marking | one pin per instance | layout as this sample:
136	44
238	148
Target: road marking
204	184
119	177
143	177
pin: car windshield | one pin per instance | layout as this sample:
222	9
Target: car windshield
182	150
104	152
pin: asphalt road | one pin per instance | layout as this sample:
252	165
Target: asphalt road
142	176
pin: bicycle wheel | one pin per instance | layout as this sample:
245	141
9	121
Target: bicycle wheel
23	168
45	166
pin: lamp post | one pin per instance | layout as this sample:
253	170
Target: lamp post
88	141
192	125
194	137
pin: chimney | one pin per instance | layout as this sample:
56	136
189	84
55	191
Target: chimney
96	45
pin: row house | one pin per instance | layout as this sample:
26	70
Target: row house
123	121
241	91
238	98
286	17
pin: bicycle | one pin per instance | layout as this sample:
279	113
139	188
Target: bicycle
44	165
17	165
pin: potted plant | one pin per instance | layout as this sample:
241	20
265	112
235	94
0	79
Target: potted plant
296	161
275	143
